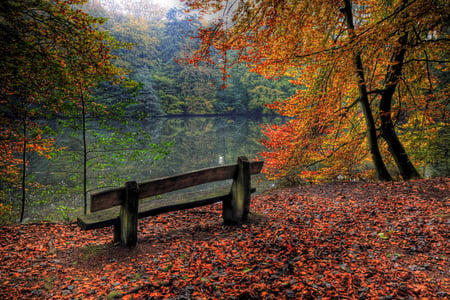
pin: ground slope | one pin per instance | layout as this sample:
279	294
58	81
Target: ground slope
329	241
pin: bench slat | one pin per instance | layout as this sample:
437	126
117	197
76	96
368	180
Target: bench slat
178	182
105	218
113	197
182	206
110	217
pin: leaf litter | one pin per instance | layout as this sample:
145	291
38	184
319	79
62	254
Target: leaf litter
330	241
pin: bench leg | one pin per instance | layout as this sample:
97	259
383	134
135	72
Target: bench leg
236	209
116	230
129	215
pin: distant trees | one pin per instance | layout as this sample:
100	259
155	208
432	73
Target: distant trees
182	88
159	61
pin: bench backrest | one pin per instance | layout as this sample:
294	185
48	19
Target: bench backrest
113	197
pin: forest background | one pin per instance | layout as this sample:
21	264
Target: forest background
163	41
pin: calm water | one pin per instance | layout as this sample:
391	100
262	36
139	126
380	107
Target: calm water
199	142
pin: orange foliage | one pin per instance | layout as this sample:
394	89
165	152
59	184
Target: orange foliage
310	41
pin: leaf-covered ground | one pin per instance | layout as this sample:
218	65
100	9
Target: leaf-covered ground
331	241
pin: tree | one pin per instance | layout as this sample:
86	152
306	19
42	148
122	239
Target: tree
248	92
140	59
52	57
378	54
182	88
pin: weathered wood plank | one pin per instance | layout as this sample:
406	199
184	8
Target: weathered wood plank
256	167
186	205
109	198
106	199
170	184
236	208
105	218
110	217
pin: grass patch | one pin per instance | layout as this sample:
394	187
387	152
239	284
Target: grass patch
92	251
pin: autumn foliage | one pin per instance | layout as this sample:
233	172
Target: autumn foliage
332	241
370	75
52	56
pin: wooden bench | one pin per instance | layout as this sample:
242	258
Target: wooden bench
236	199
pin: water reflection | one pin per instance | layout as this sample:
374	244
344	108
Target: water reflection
205	142
199	142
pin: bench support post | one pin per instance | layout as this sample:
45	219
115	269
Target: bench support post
129	215
236	209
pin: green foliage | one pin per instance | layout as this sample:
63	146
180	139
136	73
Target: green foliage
438	157
66	213
6	215
58	65
169	84
139	59
247	91
182	88
112	155
430	148
115	295
52	56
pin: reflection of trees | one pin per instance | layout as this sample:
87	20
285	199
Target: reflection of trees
240	136
194	143
198	143
202	142
113	157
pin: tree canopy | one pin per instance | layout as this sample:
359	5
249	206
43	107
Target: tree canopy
386	56
53	55
160	61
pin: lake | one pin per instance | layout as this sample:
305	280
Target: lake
198	142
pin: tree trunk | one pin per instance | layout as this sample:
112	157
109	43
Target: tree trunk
406	168
83	116
380	167
24	167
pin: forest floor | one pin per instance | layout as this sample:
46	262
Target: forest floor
328	241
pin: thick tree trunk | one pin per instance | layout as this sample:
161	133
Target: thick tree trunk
406	168
404	164
380	167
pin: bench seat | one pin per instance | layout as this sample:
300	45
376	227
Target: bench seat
156	206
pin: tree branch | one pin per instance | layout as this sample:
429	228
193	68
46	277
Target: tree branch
427	61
